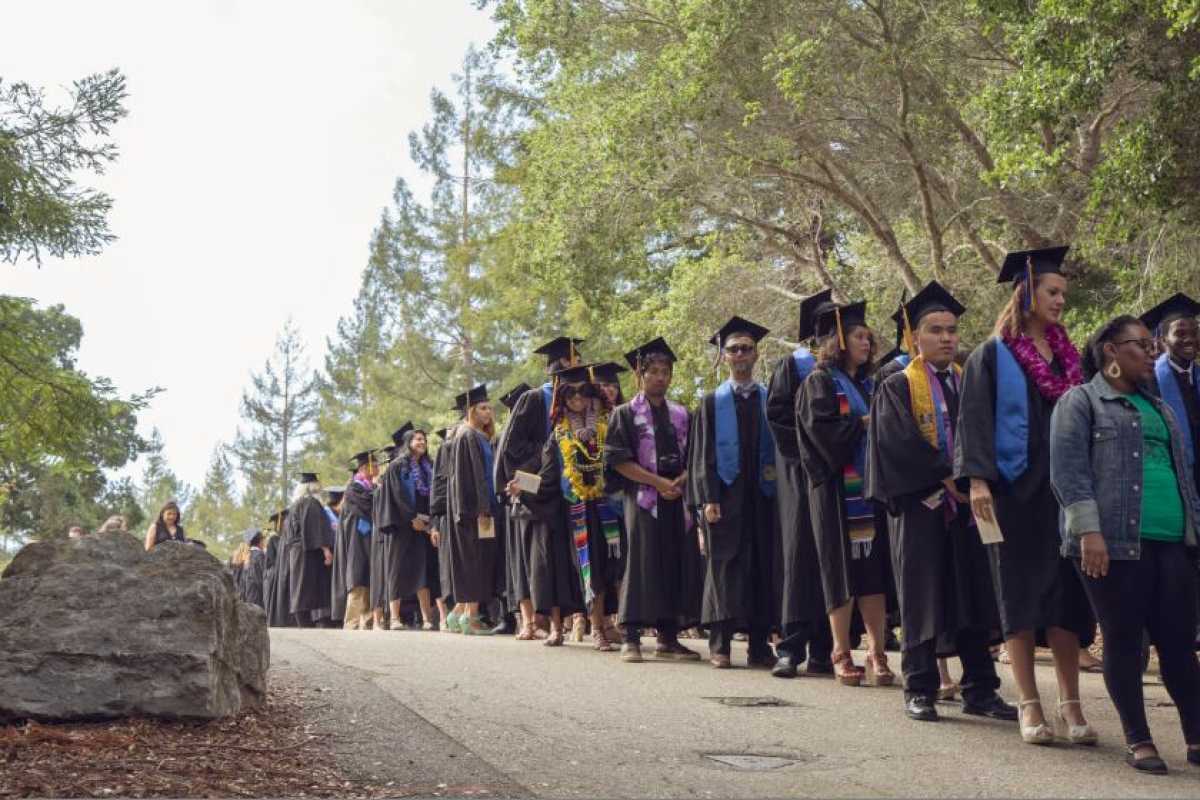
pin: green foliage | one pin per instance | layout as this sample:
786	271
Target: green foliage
43	150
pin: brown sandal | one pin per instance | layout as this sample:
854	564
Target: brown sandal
555	639
878	673
601	642
845	671
526	634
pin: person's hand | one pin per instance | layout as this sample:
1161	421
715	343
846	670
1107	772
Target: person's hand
1093	555
667	489
512	490
328	556
680	482
419	525
435	538
981	500
953	491
866	419
712	513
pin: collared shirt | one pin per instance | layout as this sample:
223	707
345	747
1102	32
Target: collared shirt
744	389
1188	370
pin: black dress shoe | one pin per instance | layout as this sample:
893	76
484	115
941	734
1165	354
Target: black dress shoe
994	707
1152	765
819	666
920	709
784	668
505	627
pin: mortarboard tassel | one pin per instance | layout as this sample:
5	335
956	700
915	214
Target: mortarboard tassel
1029	301
837	312
908	333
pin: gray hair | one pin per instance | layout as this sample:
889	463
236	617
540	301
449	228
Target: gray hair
312	489
114	524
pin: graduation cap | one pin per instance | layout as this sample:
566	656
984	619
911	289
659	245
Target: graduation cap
398	436
902	344
930	299
389	451
738	325
469	398
833	318
363	459
308	477
580	373
808	312
657	346
560	348
335	492
510	399
608	372
1022	265
441	433
250	534
1177	306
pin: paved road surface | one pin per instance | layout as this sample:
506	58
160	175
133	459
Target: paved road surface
447	714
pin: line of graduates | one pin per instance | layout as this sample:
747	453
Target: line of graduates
850	494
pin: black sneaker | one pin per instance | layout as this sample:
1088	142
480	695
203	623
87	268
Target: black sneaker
784	668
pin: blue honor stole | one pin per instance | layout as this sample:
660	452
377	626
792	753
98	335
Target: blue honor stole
1168	389
728	444
1012	415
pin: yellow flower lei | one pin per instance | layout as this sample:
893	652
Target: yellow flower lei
574	451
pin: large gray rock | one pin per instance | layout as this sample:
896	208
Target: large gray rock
97	627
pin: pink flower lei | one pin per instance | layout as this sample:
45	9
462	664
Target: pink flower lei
1050	385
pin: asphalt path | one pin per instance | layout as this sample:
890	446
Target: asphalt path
443	714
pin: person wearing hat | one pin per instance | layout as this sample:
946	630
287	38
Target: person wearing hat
309	544
381	620
832	407
647	445
250	587
540	561
1176	379
515	561
471	511
357	530
1010	385
947	604
898	357
280	614
731	468
337	577
805	628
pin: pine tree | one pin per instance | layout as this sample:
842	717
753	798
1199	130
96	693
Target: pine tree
215	514
159	483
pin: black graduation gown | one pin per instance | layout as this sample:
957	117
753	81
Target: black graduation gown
307	532
520	448
283	580
337	572
405	549
662	562
942	571
378	594
468	496
356	505
743	579
803	595
437	513
1035	586
827	443
252	578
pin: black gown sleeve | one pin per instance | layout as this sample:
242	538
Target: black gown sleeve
394	512
313	525
900	462
703	481
781	408
829	436
622	442
975	438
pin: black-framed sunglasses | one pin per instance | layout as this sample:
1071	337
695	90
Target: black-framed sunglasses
585	389
736	349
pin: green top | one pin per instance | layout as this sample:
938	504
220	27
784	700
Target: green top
1162	507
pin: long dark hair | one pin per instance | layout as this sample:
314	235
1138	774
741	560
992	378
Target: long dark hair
1092	360
590	390
830	354
160	524
406	455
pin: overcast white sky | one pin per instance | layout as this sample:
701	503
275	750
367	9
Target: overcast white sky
261	145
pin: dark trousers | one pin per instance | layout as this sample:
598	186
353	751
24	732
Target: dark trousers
303	619
720	639
1156	593
812	641
668	631
979	680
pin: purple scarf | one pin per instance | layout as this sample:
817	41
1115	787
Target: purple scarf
647	449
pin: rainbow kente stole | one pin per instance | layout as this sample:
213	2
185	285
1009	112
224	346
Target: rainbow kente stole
859	513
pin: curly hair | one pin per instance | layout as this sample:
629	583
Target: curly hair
830	353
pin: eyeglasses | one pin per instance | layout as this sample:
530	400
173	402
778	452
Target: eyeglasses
585	389
1147	345
736	349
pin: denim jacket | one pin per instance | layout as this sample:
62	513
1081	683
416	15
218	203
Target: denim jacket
1096	450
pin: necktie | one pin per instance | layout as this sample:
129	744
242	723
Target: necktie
951	398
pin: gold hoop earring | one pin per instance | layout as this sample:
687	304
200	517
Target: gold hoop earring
1113	370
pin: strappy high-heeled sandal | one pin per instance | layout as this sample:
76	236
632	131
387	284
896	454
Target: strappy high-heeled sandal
1083	734
1040	733
877	672
845	671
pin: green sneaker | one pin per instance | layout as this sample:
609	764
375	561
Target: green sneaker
471	626
452	622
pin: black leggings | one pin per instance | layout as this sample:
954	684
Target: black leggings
1156	593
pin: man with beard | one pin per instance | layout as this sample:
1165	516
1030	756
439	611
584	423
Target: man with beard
732	467
310	554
